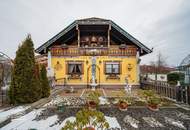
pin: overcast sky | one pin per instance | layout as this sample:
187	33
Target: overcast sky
162	24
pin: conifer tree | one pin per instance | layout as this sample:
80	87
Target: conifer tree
25	84
44	82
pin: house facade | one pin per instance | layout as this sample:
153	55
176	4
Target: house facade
94	52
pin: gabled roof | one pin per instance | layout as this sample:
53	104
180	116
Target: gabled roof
93	21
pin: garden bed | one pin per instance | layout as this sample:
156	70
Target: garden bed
133	118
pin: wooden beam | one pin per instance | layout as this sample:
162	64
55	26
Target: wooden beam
109	35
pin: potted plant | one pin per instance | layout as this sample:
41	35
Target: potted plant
124	103
87	119
93	100
148	93
153	103
89	128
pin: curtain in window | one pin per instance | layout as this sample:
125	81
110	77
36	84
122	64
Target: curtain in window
115	68
80	68
71	68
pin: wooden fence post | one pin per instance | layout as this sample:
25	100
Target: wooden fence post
188	94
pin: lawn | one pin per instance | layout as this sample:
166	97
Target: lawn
76	93
115	93
87	91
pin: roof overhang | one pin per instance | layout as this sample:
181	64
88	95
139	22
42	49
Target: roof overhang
94	21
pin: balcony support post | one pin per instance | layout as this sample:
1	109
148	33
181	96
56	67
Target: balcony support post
109	28
78	33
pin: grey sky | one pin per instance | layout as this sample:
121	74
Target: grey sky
162	24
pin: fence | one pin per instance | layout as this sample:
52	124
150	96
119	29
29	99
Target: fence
3	97
177	93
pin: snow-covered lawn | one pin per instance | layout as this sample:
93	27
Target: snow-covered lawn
4	114
27	122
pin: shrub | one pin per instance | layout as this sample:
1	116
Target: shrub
154	100
174	77
25	84
94	96
86	117
44	82
148	93
127	100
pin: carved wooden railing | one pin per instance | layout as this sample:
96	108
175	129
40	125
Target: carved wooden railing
73	51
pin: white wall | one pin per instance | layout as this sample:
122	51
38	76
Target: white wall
160	77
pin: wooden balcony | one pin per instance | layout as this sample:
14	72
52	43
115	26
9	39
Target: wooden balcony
93	51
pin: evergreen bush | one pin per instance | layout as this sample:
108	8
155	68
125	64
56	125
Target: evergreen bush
25	84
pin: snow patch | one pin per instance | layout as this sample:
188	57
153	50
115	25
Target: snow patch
8	113
59	126
103	101
152	122
182	115
24	122
174	122
113	123
132	121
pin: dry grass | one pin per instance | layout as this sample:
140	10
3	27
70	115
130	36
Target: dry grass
115	93
87	91
76	93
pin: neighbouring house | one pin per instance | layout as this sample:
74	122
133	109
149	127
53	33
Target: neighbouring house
6	64
5	69
154	73
184	68
94	52
41	59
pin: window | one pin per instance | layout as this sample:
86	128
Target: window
75	68
112	68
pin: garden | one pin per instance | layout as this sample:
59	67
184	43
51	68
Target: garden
92	110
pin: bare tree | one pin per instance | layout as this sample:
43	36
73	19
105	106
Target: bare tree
158	64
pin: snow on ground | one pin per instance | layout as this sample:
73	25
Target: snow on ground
113	123
174	122
58	127
152	122
27	122
103	101
132	121
24	122
5	114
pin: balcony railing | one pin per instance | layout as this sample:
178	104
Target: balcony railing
104	51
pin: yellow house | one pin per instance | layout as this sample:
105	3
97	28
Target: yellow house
94	52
